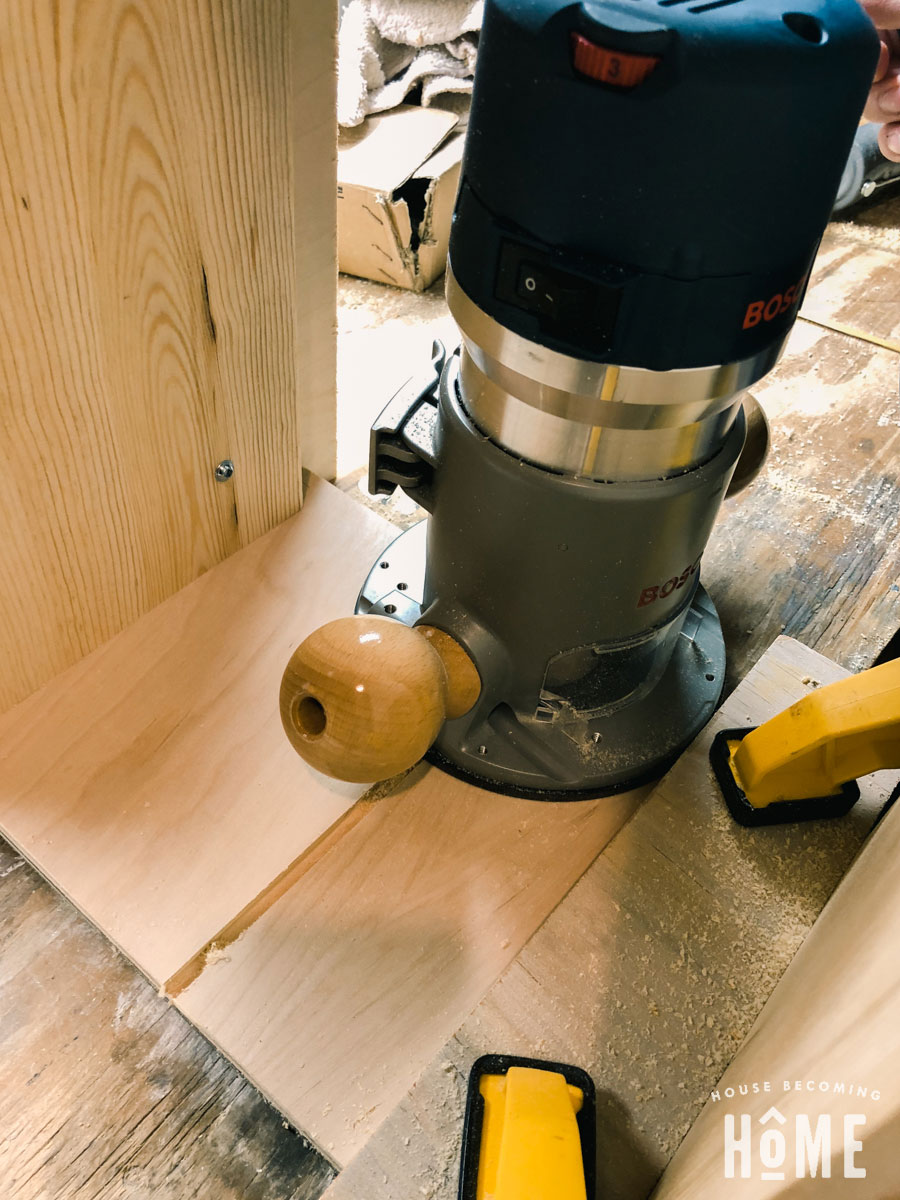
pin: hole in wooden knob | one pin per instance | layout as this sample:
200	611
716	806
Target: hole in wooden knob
310	717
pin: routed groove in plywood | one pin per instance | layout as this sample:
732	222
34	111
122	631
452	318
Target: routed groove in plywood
273	892
154	316
342	991
152	782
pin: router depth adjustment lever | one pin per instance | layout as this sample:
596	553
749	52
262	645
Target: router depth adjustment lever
615	295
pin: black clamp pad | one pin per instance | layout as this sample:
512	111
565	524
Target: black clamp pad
782	812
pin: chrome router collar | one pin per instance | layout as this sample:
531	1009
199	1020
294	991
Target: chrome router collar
579	390
604	452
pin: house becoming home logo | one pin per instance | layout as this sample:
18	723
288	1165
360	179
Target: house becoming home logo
802	1145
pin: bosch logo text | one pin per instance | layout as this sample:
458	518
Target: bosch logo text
775	306
660	591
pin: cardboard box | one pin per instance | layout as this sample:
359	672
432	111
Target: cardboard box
397	178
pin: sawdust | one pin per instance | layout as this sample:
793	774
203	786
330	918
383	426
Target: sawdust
885	237
786	482
649	976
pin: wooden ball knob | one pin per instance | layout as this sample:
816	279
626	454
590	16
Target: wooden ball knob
756	446
363	698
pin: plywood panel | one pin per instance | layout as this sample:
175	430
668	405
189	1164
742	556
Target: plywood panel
152	782
148	315
651	971
343	991
314	53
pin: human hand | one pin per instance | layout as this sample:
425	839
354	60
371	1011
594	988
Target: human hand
884	98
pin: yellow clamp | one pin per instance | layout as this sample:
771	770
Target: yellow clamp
530	1145
835	734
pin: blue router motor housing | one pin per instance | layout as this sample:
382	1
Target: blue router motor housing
645	182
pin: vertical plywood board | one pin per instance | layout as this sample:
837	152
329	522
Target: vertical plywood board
649	974
313	28
152	782
149	316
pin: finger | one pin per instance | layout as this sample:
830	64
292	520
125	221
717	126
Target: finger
884	101
889	141
891	39
885	14
884	60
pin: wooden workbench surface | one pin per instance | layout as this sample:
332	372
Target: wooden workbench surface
112	1094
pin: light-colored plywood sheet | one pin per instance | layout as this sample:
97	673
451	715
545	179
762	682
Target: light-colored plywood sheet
154	317
151	782
651	971
832	1030
313	116
341	993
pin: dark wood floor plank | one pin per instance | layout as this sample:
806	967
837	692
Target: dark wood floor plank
106	1092
811	548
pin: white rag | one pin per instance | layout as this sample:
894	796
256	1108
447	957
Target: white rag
387	47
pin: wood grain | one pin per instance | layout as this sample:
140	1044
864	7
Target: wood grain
855	286
313	118
812	547
336	998
651	971
148	312
364	697
151	782
105	1091
682	876
834	1017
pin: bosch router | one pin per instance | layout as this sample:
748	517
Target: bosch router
644	187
